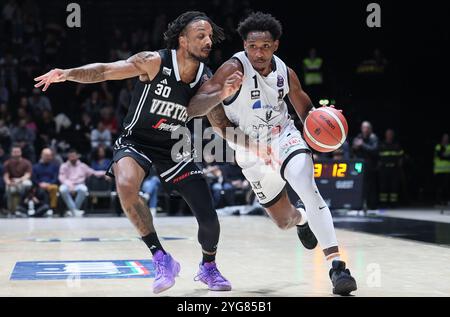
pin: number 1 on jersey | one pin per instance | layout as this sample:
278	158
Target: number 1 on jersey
256	82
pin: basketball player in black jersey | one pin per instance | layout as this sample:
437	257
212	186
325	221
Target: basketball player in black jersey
167	80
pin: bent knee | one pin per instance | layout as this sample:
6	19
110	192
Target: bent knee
283	224
127	183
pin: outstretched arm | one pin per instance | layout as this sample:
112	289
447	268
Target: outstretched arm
299	99
225	83
142	64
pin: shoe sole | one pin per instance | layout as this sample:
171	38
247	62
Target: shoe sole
178	268
345	286
219	289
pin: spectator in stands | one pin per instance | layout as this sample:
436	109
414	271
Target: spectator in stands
100	161
34	203
5	135
45	175
3	157
5	114
23	104
24	137
17	177
109	120
343	153
124	100
365	146
4	93
8	72
39	102
151	186
390	164
93	105
101	136
83	131
46	128
2	188
31	124
232	174
215	179
72	176
313	74
442	170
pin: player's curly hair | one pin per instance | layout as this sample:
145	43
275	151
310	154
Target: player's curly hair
258	21
176	28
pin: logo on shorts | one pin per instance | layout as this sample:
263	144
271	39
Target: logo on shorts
261	195
167	71
186	175
256	185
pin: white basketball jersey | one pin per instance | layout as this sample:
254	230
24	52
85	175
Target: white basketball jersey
258	108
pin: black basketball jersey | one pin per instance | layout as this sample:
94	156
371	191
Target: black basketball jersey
159	107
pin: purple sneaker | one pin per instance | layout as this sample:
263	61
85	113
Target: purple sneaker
210	275
166	271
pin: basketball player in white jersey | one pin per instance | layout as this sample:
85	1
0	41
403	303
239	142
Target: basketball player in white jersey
250	92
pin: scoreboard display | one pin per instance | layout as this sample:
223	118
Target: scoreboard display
340	182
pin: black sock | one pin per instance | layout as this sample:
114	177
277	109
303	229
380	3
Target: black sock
208	258
153	243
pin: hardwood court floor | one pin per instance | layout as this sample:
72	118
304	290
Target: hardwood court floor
257	257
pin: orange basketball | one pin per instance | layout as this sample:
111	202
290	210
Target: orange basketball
325	129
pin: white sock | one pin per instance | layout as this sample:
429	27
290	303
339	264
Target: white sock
299	173
304	217
332	257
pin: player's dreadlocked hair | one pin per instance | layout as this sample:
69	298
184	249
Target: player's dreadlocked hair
259	21
179	24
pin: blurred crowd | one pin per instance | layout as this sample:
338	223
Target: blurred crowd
52	145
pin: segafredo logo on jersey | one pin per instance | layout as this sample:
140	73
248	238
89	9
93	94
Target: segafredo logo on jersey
161	125
169	109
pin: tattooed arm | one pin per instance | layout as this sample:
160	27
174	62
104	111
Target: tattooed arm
226	82
144	64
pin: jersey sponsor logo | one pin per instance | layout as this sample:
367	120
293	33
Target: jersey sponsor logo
280	81
169	109
167	71
269	117
261	195
255	94
161	125
164	81
256	185
257	105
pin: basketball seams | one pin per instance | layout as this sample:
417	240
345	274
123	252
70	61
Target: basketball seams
325	146
318	123
338	120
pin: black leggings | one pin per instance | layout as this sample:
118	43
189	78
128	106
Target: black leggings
197	195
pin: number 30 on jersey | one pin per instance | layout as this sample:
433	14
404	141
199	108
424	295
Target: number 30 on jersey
162	90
